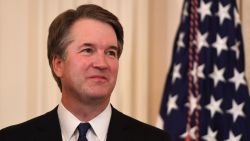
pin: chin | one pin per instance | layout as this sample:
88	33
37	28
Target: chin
100	95
99	98
95	92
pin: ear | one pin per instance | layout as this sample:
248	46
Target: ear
58	65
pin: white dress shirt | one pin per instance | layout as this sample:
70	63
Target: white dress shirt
97	132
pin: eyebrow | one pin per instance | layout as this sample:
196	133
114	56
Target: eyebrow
87	44
114	47
92	45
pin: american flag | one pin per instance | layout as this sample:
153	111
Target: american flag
206	95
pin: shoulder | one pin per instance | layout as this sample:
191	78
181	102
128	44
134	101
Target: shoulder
138	129
26	129
146	130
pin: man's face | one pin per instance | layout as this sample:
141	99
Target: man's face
89	70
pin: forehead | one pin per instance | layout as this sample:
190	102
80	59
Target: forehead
88	27
90	32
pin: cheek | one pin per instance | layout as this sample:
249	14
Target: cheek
78	62
74	67
115	67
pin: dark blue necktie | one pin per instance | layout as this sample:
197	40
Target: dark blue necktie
83	129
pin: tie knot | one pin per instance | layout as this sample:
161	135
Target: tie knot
83	128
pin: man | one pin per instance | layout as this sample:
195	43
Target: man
84	46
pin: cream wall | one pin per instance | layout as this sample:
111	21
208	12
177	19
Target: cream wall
27	88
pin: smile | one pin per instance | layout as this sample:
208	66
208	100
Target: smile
98	78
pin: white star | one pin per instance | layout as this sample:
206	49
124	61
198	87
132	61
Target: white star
191	133
214	106
202	40
238	79
197	72
193	104
217	75
232	137
172	103
211	136
223	12
176	72
220	44
236	110
235	48
180	42
204	9
236	17
185	11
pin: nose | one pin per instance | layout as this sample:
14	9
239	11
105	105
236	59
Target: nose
100	62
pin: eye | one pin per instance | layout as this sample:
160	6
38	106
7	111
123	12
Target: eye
87	51
112	52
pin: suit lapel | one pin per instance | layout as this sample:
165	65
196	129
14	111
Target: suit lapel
48	128
117	127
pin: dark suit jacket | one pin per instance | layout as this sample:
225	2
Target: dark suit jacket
47	128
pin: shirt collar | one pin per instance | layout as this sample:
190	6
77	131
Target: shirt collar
100	123
69	122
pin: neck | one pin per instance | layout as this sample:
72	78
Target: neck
84	111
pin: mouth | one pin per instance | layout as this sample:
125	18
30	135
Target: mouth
98	78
